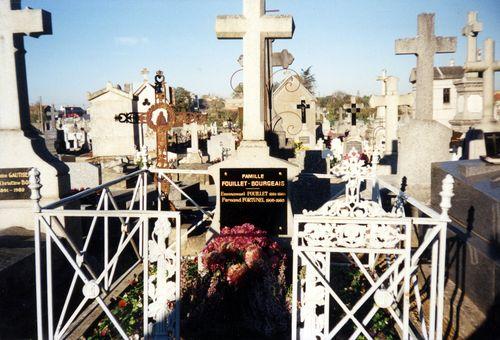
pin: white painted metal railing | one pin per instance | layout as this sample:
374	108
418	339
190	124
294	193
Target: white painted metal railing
92	284
356	229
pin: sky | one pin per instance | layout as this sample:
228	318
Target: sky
347	43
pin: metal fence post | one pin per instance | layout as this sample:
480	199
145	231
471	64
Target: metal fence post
34	179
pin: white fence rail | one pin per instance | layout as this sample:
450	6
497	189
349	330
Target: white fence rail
387	248
98	272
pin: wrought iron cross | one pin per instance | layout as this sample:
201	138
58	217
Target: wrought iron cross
303	108
161	117
353	109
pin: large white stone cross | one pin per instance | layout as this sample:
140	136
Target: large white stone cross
424	46
471	30
14	22
254	26
390	100
488	66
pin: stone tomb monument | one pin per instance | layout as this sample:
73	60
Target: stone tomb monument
488	123
294	111
22	147
470	87
423	141
251	181
473	246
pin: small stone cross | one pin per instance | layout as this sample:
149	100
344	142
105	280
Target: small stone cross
471	30
145	73
303	107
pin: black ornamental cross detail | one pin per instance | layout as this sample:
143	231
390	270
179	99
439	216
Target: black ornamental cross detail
353	109
303	108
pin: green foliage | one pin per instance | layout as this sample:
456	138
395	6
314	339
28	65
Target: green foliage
308	79
238	91
334	106
183	100
217	113
351	284
128	311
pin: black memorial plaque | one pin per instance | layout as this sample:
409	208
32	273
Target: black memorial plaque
14	184
256	196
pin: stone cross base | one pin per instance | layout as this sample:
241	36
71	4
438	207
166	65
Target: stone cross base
421	143
251	154
192	157
19	151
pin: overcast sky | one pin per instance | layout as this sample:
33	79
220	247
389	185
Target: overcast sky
347	43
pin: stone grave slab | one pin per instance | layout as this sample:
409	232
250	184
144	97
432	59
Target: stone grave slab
473	245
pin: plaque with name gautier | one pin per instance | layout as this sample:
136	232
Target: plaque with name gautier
256	196
14	184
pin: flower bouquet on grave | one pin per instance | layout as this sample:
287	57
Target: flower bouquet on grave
240	289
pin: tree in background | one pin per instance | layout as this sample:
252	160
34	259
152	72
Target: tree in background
307	79
183	100
335	102
238	91
36	115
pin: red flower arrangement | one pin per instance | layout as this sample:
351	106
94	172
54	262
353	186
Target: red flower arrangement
239	250
237	286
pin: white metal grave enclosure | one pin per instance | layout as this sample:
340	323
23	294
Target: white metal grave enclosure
400	259
117	244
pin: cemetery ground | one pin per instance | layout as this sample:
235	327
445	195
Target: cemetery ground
284	225
239	287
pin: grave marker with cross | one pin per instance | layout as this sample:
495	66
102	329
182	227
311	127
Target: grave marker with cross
254	27
488	67
14	24
160	118
424	46
390	100
353	109
303	108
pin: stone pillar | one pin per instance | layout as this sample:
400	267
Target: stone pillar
22	147
193	128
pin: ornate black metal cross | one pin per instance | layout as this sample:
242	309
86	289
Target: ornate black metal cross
303	107
353	109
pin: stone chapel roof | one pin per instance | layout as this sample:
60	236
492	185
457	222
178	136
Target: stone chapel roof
282	86
441	73
109	88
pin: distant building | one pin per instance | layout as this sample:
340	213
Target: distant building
111	138
73	112
445	92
